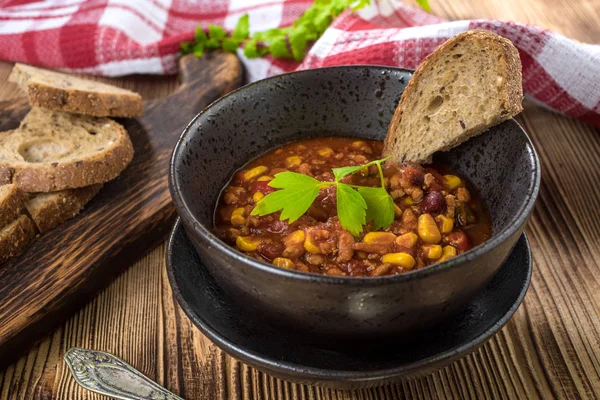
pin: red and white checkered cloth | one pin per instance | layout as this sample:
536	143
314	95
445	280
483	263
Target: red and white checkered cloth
119	37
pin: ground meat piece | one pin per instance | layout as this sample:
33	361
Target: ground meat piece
462	194
428	180
315	259
409	220
450	205
304	168
233	195
345	243
395	181
417	194
396	194
383	269
376	248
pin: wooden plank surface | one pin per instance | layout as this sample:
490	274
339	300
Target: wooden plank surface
550	349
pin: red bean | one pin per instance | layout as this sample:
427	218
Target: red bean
261	186
459	240
433	202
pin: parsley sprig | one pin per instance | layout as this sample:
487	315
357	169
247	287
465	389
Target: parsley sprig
356	205
288	42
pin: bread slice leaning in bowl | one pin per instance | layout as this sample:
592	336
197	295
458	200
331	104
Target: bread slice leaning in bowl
48	210
15	237
54	150
57	91
468	84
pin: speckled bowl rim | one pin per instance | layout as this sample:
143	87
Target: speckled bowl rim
216	244
314	374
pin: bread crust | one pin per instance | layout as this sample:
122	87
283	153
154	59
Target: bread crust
98	167
75	98
48	210
11	204
512	97
15	237
82	102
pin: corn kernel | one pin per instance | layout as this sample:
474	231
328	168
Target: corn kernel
265	178
246	243
408	201
294	238
237	217
397	211
407	240
310	245
258	196
358	144
432	251
447	253
292	161
452	181
255	172
428	230
446	224
404	260
283	262
325	152
379	238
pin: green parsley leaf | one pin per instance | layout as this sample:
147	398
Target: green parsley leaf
212	44
250	49
424	4
242	29
216	32
361	4
186	47
199	49
380	206
350	208
200	35
341	172
298	40
230	45
297	193
279	49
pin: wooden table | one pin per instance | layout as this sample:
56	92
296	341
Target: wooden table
551	347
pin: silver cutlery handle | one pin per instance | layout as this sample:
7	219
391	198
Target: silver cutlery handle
106	374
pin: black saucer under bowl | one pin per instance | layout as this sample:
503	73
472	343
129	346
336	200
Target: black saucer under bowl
275	351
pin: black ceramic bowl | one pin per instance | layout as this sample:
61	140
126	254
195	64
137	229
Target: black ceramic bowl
343	101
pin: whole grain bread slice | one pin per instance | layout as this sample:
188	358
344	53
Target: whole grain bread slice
468	84
11	204
48	210
54	150
15	237
57	91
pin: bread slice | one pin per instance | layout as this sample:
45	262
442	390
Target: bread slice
468	84
15	237
11	204
57	91
48	210
54	150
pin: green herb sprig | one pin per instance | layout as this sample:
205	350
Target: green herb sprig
289	42
356	205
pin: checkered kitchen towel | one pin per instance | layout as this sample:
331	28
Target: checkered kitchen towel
119	37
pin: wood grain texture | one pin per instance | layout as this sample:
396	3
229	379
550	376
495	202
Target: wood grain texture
550	348
130	215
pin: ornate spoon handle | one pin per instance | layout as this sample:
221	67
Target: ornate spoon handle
104	373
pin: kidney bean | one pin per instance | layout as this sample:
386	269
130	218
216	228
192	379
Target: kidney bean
261	186
433	202
458	239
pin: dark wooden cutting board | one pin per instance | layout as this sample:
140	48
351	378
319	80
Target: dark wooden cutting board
68	265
